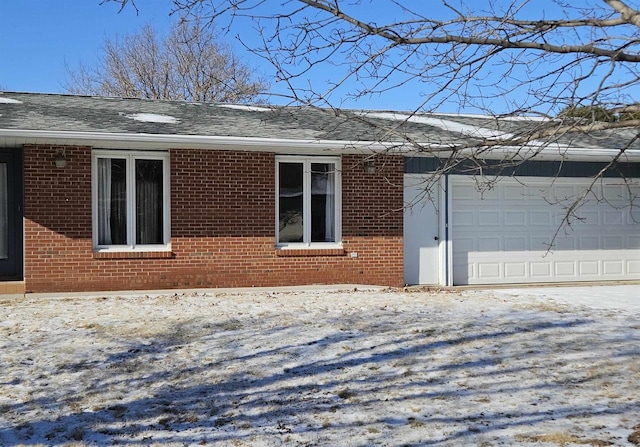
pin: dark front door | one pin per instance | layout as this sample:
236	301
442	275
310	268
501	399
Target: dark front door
10	214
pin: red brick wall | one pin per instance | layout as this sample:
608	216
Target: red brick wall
222	227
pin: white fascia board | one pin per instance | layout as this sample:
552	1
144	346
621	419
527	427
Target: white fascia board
17	137
13	137
560	153
549	153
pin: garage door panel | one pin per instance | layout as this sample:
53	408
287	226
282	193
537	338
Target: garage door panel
564	193
489	270
514	192
515	218
490	193
515	270
589	242
540	270
489	244
565	268
633	267
464	192
489	218
633	242
517	243
465	218
613	242
595	193
613	268
539	243
466	245
502	242
464	273
614	193
565	243
540	218
615	217
588	268
589	217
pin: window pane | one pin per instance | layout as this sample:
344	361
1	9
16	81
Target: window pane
4	213
323	202
149	202
290	200
112	201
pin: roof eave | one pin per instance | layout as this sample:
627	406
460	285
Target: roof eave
142	141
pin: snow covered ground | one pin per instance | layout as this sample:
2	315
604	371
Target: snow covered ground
316	368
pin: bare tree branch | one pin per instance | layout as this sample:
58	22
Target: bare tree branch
576	65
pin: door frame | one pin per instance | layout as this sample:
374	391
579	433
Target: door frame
14	267
439	208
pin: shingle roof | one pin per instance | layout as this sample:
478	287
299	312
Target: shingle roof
93	115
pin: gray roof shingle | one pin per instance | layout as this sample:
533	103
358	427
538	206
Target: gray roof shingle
67	113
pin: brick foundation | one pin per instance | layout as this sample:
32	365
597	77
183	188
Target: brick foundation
222	227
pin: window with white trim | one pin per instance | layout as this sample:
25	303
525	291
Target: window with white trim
130	200
308	201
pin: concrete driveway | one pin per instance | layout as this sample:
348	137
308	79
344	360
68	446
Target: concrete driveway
624	297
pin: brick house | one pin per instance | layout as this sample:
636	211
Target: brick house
112	194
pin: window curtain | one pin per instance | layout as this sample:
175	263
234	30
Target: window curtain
149	202
323	202
104	201
4	213
291	202
330	206
112	201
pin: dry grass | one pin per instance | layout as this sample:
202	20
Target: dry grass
347	369
562	439
546	306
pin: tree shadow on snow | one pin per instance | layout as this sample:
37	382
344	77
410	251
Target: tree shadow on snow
286	382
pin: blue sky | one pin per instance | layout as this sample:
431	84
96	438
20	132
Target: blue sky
40	38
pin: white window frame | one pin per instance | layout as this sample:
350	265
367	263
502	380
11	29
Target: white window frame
306	202
131	157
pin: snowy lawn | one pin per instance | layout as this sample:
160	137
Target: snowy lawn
350	368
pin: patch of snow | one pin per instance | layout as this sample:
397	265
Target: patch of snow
153	118
523	118
245	108
624	298
499	118
446	125
4	100
319	367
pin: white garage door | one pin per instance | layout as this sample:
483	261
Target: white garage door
503	235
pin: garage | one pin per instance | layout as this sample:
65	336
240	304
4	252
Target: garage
514	232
